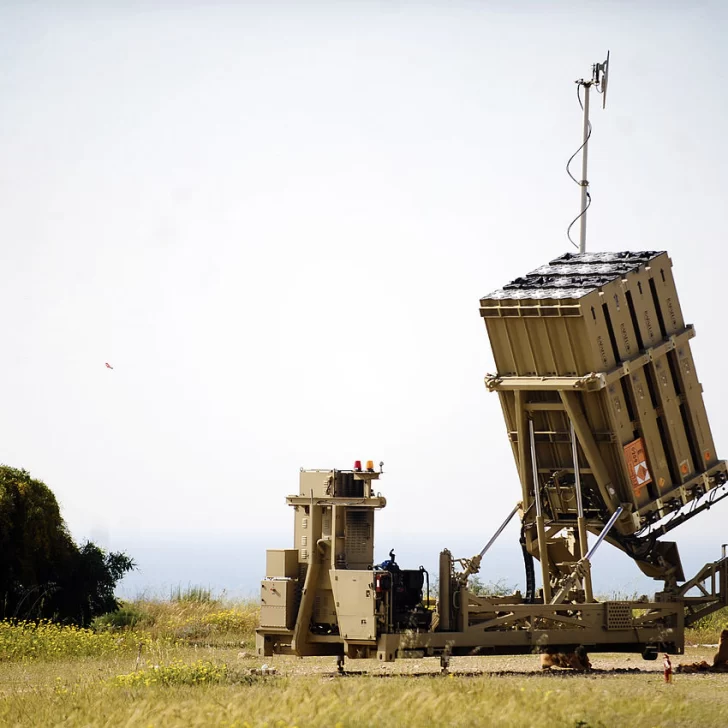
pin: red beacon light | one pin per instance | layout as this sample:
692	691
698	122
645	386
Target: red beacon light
357	466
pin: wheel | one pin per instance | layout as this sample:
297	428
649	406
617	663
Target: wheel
650	652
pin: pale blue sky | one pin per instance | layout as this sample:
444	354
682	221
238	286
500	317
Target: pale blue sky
276	220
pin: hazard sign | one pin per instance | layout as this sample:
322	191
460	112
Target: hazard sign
639	472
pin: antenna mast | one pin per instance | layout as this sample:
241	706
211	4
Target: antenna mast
600	73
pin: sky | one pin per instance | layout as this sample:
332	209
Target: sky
275	220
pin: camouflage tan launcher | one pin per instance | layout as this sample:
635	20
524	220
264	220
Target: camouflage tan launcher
608	428
600	339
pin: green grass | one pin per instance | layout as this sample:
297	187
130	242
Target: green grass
200	622
191	594
89	693
194	669
191	621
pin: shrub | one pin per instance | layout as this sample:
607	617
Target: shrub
127	616
45	640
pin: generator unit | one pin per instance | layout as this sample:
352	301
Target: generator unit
327	589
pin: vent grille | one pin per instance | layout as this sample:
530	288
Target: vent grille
358	537
619	615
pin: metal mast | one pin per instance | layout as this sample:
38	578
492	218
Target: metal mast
599	78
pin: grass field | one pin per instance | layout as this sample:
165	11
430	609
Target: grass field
186	662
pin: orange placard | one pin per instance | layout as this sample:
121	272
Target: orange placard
639	473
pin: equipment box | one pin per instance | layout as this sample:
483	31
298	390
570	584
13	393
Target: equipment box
281	563
278	603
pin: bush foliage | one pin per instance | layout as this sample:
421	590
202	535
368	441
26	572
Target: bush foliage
43	573
188	622
42	640
200	672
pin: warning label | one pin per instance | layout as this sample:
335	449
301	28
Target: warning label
639	473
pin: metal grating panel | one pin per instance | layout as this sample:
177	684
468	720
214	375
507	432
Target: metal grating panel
619	615
358	537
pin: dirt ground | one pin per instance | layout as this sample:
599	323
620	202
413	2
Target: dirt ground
602	662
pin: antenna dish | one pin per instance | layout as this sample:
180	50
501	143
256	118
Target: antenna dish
603	68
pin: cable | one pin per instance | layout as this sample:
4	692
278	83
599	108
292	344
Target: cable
530	572
571	225
568	171
588	136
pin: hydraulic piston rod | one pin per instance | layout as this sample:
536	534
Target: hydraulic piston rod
580	520
543	555
604	533
472	566
499	531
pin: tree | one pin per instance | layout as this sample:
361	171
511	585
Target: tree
43	573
